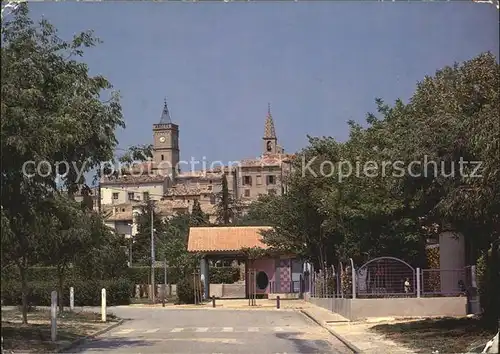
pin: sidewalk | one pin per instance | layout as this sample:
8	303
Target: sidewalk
356	335
237	304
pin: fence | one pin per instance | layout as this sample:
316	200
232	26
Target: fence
389	277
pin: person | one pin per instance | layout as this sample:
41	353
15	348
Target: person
407	285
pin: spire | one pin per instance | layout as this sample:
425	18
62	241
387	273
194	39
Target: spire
165	115
269	132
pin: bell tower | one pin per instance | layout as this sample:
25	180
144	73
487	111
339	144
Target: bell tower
270	139
166	145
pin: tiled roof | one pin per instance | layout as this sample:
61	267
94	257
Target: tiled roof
128	179
266	160
202	175
224	239
186	190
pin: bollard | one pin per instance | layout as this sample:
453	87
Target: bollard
53	316
213	300
71	298
103	305
277	302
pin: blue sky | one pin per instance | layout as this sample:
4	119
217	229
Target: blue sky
319	64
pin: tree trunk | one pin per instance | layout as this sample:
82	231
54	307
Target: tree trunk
24	289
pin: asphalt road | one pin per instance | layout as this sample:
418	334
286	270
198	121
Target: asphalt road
198	331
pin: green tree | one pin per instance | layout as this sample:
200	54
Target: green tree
52	111
142	244
198	217
228	208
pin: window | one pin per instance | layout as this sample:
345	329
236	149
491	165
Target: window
269	146
271	191
131	196
271	180
115	196
212	199
247	180
145	195
259	180
209	188
247	192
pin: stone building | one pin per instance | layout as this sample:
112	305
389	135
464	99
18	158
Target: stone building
162	179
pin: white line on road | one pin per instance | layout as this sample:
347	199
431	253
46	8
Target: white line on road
177	330
227	329
152	330
125	331
278	329
253	329
202	329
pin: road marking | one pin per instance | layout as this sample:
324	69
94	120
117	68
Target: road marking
253	329
227	329
202	329
125	331
279	329
152	330
177	330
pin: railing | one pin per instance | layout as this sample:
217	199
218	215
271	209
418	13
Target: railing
444	282
391	283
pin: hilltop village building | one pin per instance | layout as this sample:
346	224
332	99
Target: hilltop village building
174	191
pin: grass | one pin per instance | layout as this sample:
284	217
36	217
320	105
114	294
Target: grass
35	336
444	335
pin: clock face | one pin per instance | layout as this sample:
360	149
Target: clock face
162	139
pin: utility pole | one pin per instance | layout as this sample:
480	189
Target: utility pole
152	253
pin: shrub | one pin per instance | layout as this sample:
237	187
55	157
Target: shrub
142	275
185	290
87	292
224	275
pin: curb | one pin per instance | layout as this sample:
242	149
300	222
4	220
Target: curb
77	342
347	343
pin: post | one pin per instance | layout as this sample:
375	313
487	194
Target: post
165	273
103	305
418	282
213	300
353	279
71	298
152	254
278	302
164	297
53	315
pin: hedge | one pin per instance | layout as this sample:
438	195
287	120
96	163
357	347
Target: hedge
87	292
137	275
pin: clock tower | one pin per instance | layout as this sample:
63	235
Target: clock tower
166	145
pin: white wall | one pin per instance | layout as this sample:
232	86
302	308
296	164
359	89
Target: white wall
451	260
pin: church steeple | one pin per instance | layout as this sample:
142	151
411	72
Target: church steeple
270	140
269	131
165	114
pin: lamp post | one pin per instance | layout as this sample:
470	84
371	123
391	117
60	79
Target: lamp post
152	253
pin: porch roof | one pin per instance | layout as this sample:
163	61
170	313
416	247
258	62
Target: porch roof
225	239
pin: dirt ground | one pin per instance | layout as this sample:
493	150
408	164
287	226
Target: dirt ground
443	335
35	336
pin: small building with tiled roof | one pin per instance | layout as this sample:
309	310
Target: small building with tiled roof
274	273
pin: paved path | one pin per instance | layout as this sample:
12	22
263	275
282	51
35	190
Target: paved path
221	331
